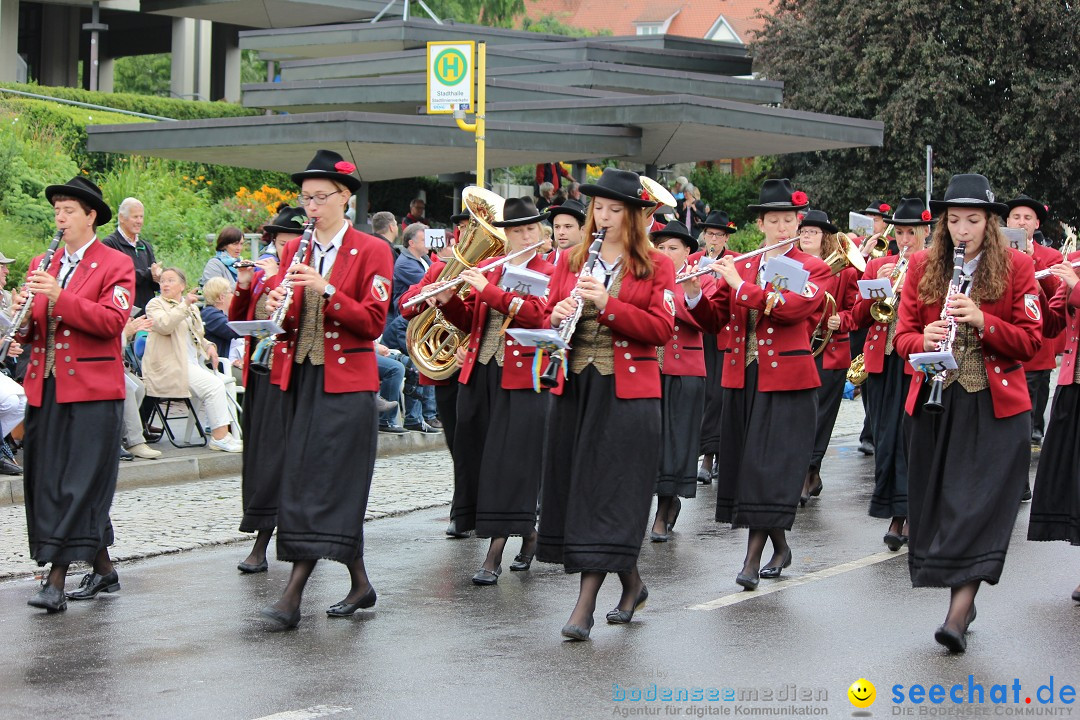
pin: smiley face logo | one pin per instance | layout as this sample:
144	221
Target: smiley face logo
862	693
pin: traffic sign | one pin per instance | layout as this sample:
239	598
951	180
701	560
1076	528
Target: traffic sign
450	76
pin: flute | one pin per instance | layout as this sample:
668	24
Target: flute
739	258
1049	271
433	290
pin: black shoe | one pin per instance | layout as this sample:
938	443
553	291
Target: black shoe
575	632
715	470
771	572
278	620
704	476
7	467
816	485
657	537
894	541
126	456
954	641
484	576
1076	595
866	447
49	598
249	569
1026	497
92	584
453	532
678	509
152	437
521	563
421	427
393	429
621	617
1036	438
750	582
345	609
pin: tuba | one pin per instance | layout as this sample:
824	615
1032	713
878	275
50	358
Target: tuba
659	194
821	335
847	255
432	341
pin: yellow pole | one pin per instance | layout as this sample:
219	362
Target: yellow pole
481	110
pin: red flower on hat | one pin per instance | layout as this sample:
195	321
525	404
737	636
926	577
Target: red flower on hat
799	198
1046	207
644	195
884	207
926	216
800	215
344	167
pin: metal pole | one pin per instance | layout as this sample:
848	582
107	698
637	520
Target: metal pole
929	173
95	26
481	109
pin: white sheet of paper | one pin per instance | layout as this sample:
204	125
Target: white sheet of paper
537	338
860	224
786	274
878	289
932	362
435	238
5	322
524	281
259	328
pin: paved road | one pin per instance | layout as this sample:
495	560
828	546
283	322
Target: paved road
182	640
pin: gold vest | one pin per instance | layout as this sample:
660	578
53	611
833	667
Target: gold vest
967	349
592	343
751	338
491	344
309	337
50	344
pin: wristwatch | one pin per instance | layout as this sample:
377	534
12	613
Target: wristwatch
329	292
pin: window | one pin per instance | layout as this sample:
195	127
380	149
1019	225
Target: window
721	31
650	29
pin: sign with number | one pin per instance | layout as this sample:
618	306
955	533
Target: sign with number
450	76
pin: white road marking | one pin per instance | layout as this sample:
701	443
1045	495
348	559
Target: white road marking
316	711
769	587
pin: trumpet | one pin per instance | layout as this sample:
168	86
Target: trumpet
550	377
739	258
880	248
260	359
933	403
884	311
24	312
856	374
1048	272
436	288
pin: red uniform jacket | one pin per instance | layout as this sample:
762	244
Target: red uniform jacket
845	289
242	307
718	326
1011	336
355	315
471	315
1065	315
92	311
1046	358
430	276
784	360
859	317
640	319
684	353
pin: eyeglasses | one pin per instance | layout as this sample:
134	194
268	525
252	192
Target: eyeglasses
319	199
715	235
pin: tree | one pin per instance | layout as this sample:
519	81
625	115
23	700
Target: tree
552	25
143	74
988	84
493	13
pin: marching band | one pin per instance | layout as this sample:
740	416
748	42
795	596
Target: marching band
575	387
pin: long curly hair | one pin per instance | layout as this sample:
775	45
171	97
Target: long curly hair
991	276
830	243
638	245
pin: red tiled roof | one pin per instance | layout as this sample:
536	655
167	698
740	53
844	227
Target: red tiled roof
694	19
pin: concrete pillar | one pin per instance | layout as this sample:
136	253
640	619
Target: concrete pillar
363	197
579	171
232	73
60	54
9	39
106	74
225	63
203	46
182	81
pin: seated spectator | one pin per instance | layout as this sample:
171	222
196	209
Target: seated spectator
217	295
547	194
134	440
546	235
391	379
12	410
176	352
230	244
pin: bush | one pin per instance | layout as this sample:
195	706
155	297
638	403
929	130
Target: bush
148	104
732	193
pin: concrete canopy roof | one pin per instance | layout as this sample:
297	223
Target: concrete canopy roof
384	147
267	13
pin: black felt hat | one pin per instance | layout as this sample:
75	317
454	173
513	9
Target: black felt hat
1023	200
910	211
878	208
519	211
778	194
969	190
459	217
328	165
82	189
570	207
719	220
288	220
675	229
621	185
818	219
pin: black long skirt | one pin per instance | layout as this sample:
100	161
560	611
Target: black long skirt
498	455
264	425
886	393
446	403
829	396
967	473
765	444
71	457
1055	505
680	436
714	396
604	453
330	447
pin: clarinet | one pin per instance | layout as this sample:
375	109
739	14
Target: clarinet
937	383
264	350
24	312
550	378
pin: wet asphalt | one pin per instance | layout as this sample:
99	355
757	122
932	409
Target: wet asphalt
182	638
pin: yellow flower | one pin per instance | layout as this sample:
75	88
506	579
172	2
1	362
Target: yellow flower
209	182
201	177
186	177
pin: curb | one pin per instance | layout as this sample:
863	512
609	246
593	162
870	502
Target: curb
208	464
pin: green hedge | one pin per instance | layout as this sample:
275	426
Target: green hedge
149	104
